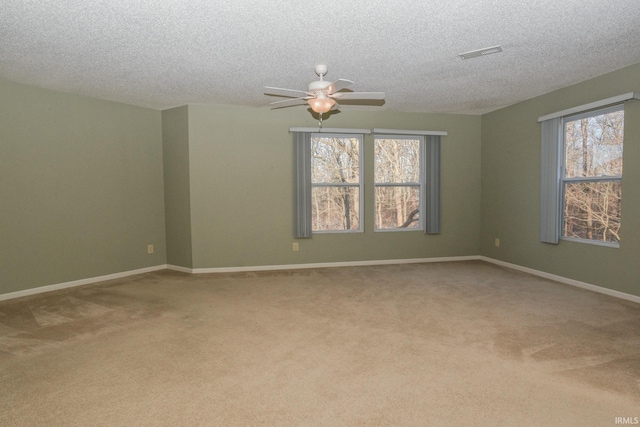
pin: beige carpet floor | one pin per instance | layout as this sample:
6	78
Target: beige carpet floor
442	344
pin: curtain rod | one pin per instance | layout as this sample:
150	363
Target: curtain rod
592	105
409	132
369	131
330	130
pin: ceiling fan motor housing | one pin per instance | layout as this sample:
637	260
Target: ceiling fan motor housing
318	86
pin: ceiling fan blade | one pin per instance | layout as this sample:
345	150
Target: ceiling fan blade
301	99
280	91
289	102
358	95
338	85
336	107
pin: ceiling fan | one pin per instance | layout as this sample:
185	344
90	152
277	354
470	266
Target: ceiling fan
321	95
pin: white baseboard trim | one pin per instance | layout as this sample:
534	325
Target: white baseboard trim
565	280
81	282
320	265
180	269
90	280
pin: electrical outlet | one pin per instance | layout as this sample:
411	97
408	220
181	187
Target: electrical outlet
497	242
149	249
295	247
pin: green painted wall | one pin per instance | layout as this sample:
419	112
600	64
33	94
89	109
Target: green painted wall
511	188
87	184
241	164
177	193
80	187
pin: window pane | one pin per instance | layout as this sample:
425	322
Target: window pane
594	145
335	160
397	207
592	210
335	208
397	160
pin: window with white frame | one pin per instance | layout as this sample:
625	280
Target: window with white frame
328	188
336	182
591	175
399	182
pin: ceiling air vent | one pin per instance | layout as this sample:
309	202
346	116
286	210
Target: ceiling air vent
481	52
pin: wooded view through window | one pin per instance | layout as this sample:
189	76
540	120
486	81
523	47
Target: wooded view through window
592	181
398	186
336	190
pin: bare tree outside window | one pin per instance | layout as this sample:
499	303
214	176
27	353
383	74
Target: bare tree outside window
397	183
592	182
336	182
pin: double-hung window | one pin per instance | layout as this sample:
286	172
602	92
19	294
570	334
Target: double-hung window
328	190
591	177
399	182
581	174
336	182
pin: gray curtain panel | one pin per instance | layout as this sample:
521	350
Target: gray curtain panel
549	180
302	197
432	173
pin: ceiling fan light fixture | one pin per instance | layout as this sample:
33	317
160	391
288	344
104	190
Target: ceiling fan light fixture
321	103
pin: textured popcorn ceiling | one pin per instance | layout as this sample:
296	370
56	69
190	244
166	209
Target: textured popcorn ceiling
166	53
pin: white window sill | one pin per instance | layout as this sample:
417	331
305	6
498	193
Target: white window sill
592	242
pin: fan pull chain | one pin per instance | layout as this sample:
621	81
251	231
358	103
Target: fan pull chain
320	122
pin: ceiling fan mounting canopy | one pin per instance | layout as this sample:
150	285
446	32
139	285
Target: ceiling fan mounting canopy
321	70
